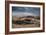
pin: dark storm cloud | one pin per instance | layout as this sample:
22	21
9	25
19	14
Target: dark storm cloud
23	9
20	9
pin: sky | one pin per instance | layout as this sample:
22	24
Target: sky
25	11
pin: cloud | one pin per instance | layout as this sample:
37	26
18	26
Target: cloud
21	14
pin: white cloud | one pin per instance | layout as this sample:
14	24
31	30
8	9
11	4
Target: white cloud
21	14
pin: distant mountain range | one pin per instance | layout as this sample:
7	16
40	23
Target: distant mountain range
27	17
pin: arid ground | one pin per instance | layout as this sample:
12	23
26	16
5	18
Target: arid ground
25	22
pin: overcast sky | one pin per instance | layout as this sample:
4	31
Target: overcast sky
25	11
